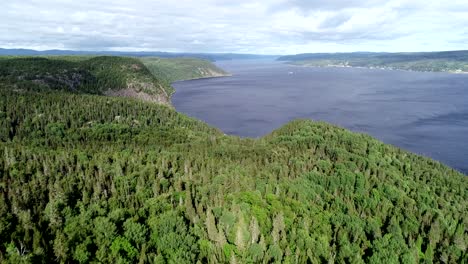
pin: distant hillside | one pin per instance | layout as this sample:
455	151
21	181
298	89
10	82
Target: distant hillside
144	78
117	76
449	61
86	178
177	69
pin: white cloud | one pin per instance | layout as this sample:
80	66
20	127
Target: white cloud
268	26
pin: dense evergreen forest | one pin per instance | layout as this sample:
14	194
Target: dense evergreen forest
86	178
448	61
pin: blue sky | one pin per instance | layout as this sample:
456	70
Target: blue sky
242	26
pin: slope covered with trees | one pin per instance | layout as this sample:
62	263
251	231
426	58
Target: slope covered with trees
119	76
449	61
94	179
177	69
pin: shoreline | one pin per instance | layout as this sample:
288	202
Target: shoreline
206	77
373	68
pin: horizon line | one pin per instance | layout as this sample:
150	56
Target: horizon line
217	53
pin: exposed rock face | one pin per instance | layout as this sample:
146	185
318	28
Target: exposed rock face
209	73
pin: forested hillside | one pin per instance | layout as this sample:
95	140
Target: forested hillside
93	179
177	69
449	61
117	76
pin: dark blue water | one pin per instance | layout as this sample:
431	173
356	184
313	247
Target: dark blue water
426	113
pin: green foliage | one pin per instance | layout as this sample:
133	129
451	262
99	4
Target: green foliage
94	179
122	251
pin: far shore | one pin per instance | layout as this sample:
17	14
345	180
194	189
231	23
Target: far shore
372	68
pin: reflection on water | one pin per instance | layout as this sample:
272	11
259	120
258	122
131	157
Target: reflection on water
426	113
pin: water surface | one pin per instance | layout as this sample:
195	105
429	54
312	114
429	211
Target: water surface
426	113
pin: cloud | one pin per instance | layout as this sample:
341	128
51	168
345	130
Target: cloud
335	21
254	26
335	5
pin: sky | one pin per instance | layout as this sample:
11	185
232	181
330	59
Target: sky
238	26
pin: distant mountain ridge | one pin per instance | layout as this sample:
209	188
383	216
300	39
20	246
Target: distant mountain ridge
460	54
208	56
